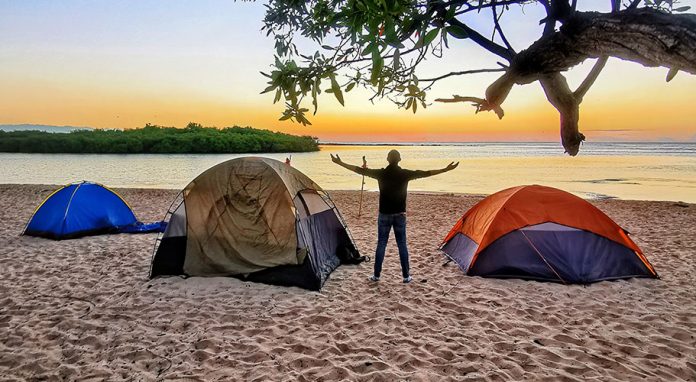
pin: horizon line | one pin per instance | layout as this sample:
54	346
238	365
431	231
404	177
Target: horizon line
448	143
664	140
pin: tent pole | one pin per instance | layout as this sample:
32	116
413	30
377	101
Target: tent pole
362	187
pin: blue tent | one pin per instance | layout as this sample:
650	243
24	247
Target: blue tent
81	209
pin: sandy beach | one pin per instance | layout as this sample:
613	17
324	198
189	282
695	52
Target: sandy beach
85	310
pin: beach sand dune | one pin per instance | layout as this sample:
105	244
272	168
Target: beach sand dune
84	309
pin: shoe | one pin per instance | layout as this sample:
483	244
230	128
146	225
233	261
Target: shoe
373	278
408	279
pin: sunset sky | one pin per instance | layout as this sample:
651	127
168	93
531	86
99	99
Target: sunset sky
122	64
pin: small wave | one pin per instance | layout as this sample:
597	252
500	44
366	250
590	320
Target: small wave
607	180
597	196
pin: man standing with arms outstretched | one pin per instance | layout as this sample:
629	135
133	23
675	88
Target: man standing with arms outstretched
393	185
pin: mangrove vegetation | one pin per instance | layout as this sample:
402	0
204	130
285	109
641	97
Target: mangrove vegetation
151	139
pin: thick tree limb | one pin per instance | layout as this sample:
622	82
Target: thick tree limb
562	98
645	36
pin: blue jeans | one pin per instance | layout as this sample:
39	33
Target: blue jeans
384	224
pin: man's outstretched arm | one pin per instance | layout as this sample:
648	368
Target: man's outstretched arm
360	170
336	159
427	173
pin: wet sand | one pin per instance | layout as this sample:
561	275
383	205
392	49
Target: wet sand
84	309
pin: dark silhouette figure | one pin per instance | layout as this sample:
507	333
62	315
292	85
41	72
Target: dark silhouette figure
393	189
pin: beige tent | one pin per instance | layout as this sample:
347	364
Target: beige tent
254	218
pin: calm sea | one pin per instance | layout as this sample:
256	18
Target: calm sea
649	171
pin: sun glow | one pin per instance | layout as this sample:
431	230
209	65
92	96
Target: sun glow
96	71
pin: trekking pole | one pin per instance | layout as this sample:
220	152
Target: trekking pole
362	187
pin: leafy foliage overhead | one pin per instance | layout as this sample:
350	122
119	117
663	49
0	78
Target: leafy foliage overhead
378	45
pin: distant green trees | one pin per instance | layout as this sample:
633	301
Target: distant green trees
151	139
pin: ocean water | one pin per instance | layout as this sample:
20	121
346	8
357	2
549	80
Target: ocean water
645	171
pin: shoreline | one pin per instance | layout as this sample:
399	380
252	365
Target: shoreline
493	143
599	198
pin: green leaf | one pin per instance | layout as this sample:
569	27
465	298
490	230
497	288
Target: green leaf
430	36
377	65
301	119
672	72
450	12
397	60
457	32
682	9
369	49
285	117
350	87
336	88
390	36
415	106
419	42
268	89
277	96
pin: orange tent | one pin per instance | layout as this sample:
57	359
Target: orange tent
519	209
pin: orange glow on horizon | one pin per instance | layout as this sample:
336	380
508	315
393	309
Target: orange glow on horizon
125	64
665	112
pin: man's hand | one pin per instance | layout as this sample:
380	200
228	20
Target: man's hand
451	166
336	159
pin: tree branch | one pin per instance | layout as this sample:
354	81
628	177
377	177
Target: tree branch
591	78
496	20
549	21
559	95
463	72
634	4
560	9
482	41
479	7
480	103
615	5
